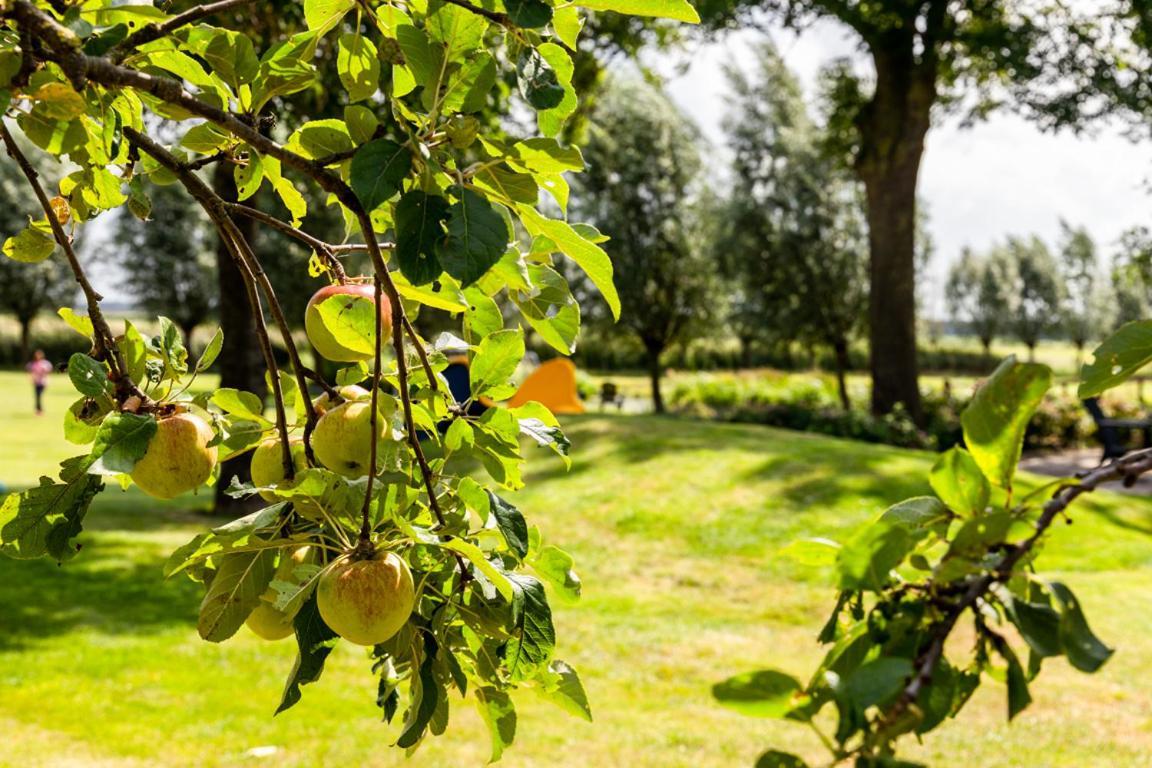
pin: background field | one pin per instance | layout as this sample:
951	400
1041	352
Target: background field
675	526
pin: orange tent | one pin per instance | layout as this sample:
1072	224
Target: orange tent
553	384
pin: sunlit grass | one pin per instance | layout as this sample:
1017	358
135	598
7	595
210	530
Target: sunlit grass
675	526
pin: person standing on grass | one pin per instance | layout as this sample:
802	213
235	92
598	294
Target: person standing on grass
39	369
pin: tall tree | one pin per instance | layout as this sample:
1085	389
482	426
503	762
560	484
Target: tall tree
168	261
640	189
1039	294
26	290
926	53
979	293
794	240
1085	309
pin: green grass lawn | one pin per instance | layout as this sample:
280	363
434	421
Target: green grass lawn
675	526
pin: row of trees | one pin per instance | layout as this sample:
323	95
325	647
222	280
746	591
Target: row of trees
1022	288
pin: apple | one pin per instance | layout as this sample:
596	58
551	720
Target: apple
367	601
266	621
178	458
350	392
322	339
342	440
268	463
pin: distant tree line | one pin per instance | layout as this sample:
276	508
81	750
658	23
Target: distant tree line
1025	290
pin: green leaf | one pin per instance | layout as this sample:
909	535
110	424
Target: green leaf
679	10
530	14
813	552
587	255
918	514
420	221
477	236
539	84
424	695
476	556
240	580
351	320
511	523
1039	625
1018	696
776	759
82	324
995	420
358	66
766	693
320	138
561	684
378	170
1120	355
135	351
211	351
314	641
32	244
552	120
558	568
89	376
496	360
876	682
121	441
533	635
499	714
1085	651
957	480
44	520
323	15
866	561
237	402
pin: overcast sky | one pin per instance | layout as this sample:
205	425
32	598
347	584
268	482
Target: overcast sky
999	177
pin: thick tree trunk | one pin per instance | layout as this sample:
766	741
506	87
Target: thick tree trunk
241	363
893	127
188	329
654	374
1031	352
25	339
840	348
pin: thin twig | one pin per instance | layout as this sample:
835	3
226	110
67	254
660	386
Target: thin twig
374	416
103	338
156	31
326	251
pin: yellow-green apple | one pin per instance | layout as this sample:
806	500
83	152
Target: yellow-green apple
367	601
342	440
322	338
350	393
268	463
266	620
178	458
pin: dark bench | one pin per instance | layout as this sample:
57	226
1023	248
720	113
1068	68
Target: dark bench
610	395
1114	433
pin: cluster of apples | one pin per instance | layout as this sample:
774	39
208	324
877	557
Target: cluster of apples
365	596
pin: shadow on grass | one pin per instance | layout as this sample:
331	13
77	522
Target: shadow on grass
111	587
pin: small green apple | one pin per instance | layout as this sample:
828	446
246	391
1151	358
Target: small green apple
342	440
367	601
266	621
178	458
268	463
321	337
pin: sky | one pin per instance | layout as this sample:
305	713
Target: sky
1000	177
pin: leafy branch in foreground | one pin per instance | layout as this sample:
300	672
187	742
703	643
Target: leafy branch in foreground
965	557
378	528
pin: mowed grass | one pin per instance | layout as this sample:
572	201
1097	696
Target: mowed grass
675	526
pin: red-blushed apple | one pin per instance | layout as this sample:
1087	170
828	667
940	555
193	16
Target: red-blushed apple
178	458
326	344
367	601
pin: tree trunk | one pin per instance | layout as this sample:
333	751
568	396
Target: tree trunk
840	348
746	352
1031	352
893	126
654	373
241	362
25	339
188	329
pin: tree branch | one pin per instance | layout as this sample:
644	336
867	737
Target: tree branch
103	338
1125	468
156	31
238	247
